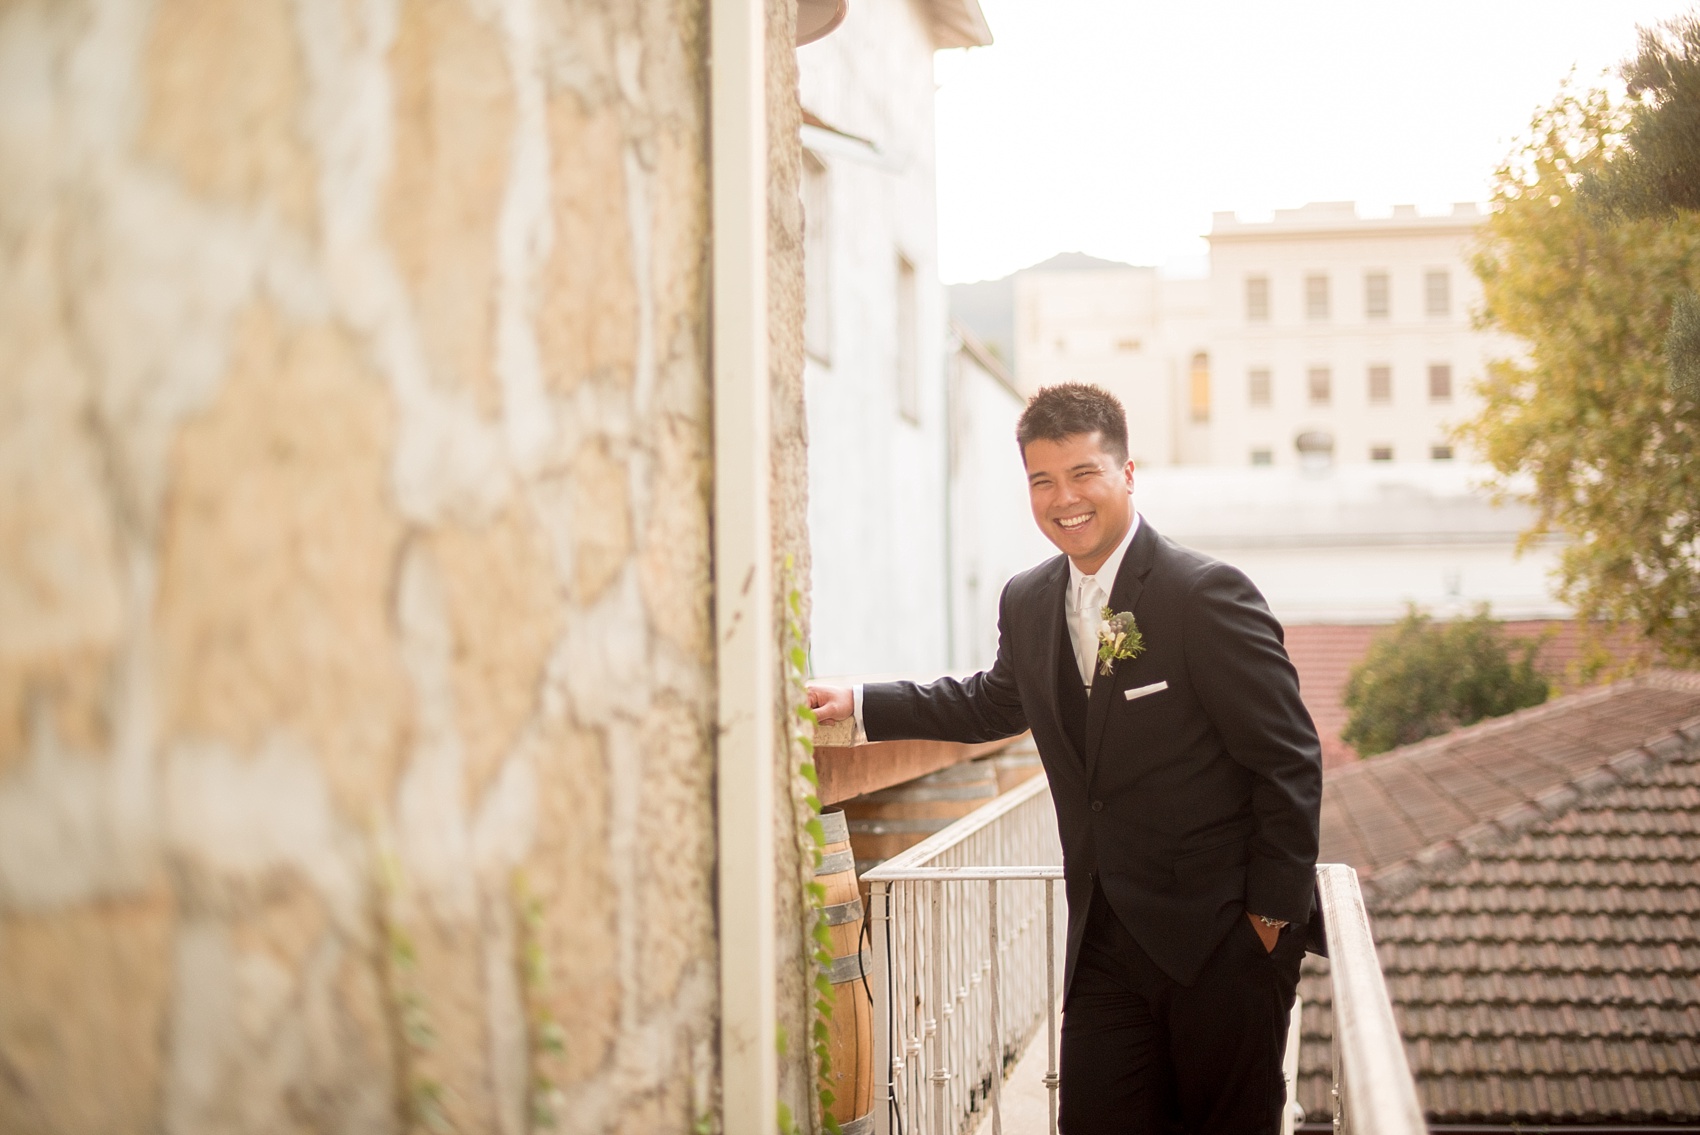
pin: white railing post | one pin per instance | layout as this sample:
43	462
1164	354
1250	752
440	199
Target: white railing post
1051	1078
880	987
1371	1075
997	1018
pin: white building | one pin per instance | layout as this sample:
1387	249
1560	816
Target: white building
1344	339
876	336
1127	329
990	530
1357	543
1293	412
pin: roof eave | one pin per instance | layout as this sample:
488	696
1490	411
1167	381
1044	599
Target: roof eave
960	23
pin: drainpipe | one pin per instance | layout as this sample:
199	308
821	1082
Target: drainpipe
743	585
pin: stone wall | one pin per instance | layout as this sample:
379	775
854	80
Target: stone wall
791	567
356	676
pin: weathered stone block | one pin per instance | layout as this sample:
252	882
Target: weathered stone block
224	102
279	548
454	126
83	1017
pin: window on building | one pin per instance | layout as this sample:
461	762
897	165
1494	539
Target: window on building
1437	292
1440	382
908	342
1258	386
1440	452
1376	305
1257	299
817	260
1381	453
1316	297
1262	456
1380	385
1199	387
1316	449
1320	384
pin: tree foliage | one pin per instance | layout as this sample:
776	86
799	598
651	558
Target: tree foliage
1421	678
1657	171
1583	423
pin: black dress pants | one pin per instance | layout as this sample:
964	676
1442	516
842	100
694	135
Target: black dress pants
1145	1055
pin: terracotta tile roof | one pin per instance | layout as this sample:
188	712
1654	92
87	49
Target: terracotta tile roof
1324	654
1534	890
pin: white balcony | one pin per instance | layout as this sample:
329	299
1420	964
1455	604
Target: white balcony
968	932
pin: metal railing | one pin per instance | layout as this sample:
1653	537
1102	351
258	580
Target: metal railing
967	935
1373	1089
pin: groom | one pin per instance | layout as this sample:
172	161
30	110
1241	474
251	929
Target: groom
1187	779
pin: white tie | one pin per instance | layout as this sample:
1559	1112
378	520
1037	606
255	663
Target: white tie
1087	614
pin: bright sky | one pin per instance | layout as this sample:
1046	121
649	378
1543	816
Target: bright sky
1115	127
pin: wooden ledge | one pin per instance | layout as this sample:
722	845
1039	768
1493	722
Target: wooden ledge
848	770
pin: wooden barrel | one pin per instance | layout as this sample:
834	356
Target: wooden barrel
1015	766
850	1032
895	819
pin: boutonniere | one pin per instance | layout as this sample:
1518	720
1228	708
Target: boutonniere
1118	638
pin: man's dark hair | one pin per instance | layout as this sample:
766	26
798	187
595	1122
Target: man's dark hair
1071	408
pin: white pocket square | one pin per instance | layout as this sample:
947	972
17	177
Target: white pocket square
1141	691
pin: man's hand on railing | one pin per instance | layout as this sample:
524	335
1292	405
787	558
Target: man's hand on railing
832	703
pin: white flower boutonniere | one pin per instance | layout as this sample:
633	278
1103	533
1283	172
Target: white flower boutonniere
1118	638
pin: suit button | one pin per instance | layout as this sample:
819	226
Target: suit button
1097	805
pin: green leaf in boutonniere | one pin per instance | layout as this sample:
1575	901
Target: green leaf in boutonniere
1118	638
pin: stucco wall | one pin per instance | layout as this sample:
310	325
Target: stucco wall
355	659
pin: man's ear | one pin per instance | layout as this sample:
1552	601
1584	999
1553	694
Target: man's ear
1127	474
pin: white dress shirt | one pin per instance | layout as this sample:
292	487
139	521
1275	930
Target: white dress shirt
1082	624
1083	618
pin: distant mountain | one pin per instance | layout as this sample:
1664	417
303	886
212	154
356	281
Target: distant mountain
987	307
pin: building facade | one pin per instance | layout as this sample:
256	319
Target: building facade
875	334
1342	339
1129	330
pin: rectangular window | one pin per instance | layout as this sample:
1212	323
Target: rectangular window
1380	385
1200	387
1440	382
1262	456
1440	452
1437	293
1316	297
1375	295
1321	385
1258	386
1381	453
817	262
908	343
1257	299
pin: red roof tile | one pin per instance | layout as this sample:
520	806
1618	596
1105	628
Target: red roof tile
1534	890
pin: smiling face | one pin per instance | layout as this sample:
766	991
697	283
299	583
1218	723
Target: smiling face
1082	498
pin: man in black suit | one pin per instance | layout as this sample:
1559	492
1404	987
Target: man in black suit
1187	781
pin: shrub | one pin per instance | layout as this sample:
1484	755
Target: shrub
1421	678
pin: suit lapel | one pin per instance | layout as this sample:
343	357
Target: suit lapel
1053	599
1124	596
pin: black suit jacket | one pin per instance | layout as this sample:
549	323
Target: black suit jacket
1190	805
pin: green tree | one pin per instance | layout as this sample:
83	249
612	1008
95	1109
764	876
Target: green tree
1582	423
1421	678
1657	169
1656	173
